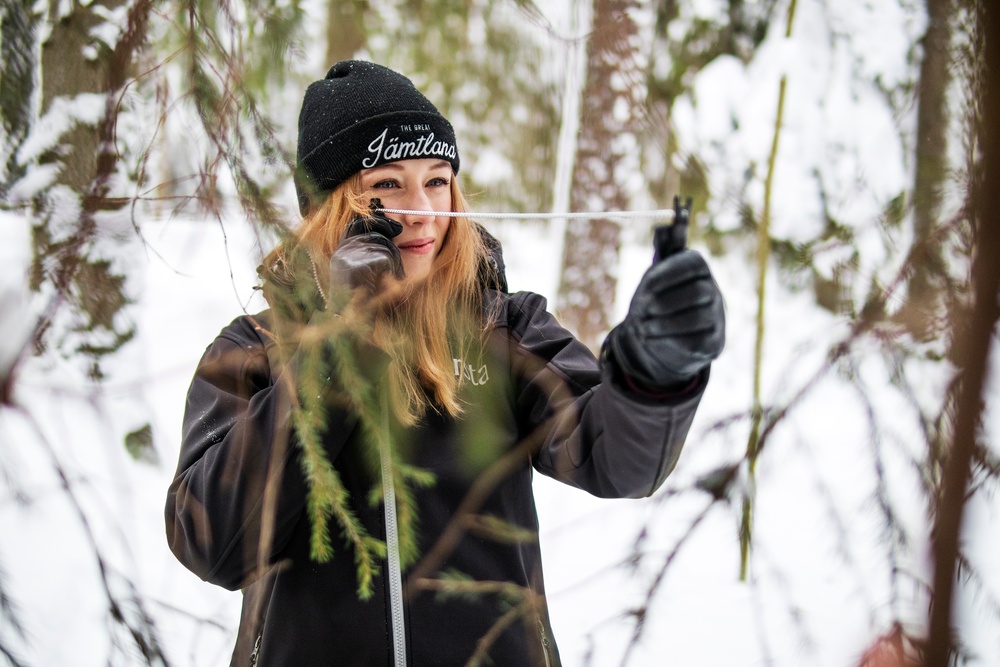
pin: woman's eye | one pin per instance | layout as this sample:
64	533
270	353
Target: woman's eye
386	184
434	182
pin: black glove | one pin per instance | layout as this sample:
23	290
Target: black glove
676	323
366	253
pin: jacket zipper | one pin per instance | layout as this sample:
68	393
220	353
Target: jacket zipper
395	578
256	651
545	644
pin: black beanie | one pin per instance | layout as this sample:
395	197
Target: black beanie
360	116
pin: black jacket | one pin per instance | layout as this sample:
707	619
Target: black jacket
535	393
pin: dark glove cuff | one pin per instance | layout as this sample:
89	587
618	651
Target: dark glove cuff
624	376
668	392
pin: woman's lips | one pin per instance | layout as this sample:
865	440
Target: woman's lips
418	246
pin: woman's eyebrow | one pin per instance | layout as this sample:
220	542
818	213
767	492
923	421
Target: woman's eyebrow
397	167
392	166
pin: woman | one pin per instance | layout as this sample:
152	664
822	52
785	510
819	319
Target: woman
358	458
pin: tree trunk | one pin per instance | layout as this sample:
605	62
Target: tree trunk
74	63
972	345
608	112
924	305
18	58
68	72
345	29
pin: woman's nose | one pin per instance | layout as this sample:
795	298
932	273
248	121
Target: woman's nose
418	201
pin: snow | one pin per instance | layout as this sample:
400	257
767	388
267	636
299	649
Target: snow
109	30
821	583
62	114
34	181
53	576
491	166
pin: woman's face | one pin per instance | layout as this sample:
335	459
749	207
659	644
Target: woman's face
418	185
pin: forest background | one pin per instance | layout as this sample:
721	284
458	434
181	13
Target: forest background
836	503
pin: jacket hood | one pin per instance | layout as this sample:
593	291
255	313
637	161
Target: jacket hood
493	276
290	283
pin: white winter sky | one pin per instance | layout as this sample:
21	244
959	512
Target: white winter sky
819	587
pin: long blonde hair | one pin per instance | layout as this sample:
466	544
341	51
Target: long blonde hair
428	325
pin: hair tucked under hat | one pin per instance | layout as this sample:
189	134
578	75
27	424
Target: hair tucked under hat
360	116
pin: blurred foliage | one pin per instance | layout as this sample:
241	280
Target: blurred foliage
917	308
690	42
139	444
489	76
684	43
208	76
190	73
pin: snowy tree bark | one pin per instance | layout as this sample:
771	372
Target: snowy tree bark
17	84
612	98
74	63
77	60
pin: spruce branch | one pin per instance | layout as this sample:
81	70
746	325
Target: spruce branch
474	499
225	87
368	399
523	603
329	371
481	655
498	530
327	496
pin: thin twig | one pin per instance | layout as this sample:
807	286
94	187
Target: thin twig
144	635
643	610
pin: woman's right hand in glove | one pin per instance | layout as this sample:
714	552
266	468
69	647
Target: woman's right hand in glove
366	255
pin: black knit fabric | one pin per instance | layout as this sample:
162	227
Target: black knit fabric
360	116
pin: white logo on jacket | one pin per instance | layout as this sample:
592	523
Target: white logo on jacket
385	148
477	376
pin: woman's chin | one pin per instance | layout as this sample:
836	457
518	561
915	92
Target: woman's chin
416	273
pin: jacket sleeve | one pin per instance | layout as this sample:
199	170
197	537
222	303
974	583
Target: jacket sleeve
239	489
588	431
